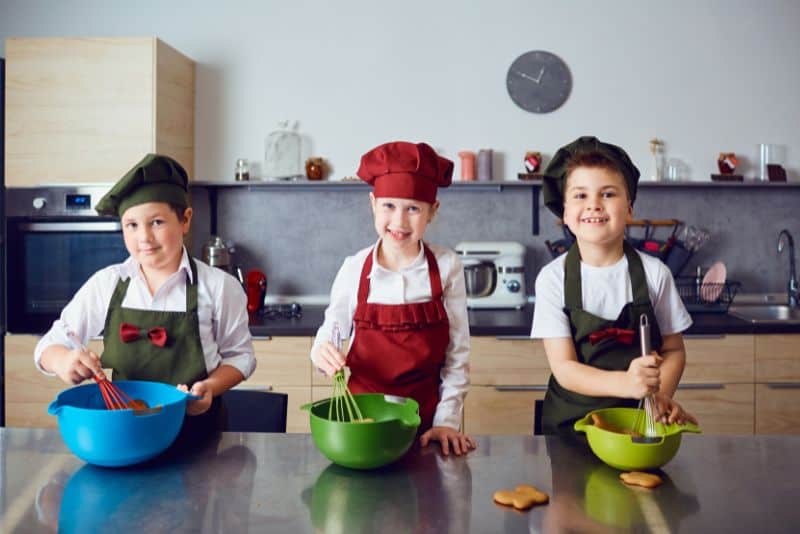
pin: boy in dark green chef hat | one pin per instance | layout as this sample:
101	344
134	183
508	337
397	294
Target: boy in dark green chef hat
590	299
165	316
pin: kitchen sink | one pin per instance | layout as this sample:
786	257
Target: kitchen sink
766	313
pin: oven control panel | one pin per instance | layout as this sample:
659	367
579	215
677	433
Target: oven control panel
54	201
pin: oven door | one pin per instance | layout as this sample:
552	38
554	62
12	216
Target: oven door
49	260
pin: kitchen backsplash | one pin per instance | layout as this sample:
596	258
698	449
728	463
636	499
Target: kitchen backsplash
300	237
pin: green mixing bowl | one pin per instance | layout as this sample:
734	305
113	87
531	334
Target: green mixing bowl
366	445
618	450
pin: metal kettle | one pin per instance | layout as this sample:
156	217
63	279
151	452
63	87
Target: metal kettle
218	254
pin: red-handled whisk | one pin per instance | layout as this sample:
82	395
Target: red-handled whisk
113	397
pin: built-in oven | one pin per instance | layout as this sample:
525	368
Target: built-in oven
54	242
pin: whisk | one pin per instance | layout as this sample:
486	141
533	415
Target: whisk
113	397
342	406
644	426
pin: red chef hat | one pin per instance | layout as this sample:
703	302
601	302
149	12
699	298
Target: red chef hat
405	170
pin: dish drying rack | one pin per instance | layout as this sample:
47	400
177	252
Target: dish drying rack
706	298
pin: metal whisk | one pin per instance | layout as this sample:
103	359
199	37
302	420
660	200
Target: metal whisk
644	426
342	406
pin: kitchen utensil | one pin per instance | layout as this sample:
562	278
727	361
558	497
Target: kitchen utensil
256	289
113	396
617	450
115	438
366	445
342	400
480	278
713	282
644	427
217	253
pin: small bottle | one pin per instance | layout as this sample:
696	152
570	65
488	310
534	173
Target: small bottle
242	170
467	165
657	150
485	165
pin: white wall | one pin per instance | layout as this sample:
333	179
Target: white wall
706	76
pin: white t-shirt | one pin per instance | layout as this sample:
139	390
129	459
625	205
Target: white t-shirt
605	291
410	284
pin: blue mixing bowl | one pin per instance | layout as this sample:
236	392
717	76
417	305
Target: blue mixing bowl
114	438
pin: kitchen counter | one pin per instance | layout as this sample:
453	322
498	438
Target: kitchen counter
281	483
511	323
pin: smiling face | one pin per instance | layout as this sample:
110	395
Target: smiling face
153	235
596	206
401	222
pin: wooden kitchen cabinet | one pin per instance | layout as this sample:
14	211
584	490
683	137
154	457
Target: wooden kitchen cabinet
507	376
28	392
778	384
82	110
283	365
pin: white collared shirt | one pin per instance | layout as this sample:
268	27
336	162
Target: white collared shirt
221	310
409	285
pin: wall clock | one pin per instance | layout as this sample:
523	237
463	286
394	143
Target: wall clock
539	81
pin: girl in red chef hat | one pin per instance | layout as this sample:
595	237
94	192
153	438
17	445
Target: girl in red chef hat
404	300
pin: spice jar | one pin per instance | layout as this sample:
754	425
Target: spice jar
315	168
242	170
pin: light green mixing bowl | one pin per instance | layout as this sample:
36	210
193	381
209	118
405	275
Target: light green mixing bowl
618	450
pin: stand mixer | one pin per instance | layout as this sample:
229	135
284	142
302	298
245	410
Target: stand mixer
494	272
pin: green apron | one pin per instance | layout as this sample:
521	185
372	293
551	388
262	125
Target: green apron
562	407
179	361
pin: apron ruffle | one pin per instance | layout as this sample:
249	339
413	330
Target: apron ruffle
392	318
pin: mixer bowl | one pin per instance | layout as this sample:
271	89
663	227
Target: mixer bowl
480	278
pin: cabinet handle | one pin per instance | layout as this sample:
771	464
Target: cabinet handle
262	338
704	336
512	338
784	385
254	388
701	386
520	388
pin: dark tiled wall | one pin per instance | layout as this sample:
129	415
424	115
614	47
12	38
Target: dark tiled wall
299	238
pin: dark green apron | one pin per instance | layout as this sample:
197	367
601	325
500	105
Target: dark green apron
179	361
562	407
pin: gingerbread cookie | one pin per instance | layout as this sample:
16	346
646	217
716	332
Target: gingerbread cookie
521	498
638	478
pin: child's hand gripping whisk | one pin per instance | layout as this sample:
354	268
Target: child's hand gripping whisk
644	427
342	401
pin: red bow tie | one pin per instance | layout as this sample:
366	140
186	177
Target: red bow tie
130	332
620	334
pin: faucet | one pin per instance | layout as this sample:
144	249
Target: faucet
784	239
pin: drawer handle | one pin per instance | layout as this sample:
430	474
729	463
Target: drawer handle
701	386
704	336
513	338
254	388
520	388
784	385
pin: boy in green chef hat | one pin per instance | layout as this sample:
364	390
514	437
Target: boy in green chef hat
165	316
589	300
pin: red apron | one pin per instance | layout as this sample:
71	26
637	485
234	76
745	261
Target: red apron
400	349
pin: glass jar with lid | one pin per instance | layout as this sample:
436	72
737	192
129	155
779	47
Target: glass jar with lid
282	152
242	170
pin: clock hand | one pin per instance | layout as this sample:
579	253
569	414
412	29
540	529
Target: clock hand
528	77
539	77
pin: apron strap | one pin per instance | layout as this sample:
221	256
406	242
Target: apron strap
573	295
433	270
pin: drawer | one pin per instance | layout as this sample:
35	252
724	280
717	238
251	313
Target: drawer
726	359
282	361
778	358
778	408
507	362
720	408
491	411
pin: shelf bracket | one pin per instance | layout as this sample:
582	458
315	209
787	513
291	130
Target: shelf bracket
212	208
535	209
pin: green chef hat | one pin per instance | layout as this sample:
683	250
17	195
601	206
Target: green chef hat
156	178
556	173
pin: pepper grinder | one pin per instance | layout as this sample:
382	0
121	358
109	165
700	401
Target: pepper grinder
485	165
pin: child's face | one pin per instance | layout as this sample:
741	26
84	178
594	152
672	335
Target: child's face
153	234
401	222
596	205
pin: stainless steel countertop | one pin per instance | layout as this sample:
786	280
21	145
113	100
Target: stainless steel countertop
281	483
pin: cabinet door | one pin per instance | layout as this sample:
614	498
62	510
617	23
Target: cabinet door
507	362
283	366
726	359
489	410
778	408
28	392
778	358
720	408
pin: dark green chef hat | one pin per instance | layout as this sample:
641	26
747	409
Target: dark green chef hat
556	173
154	179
